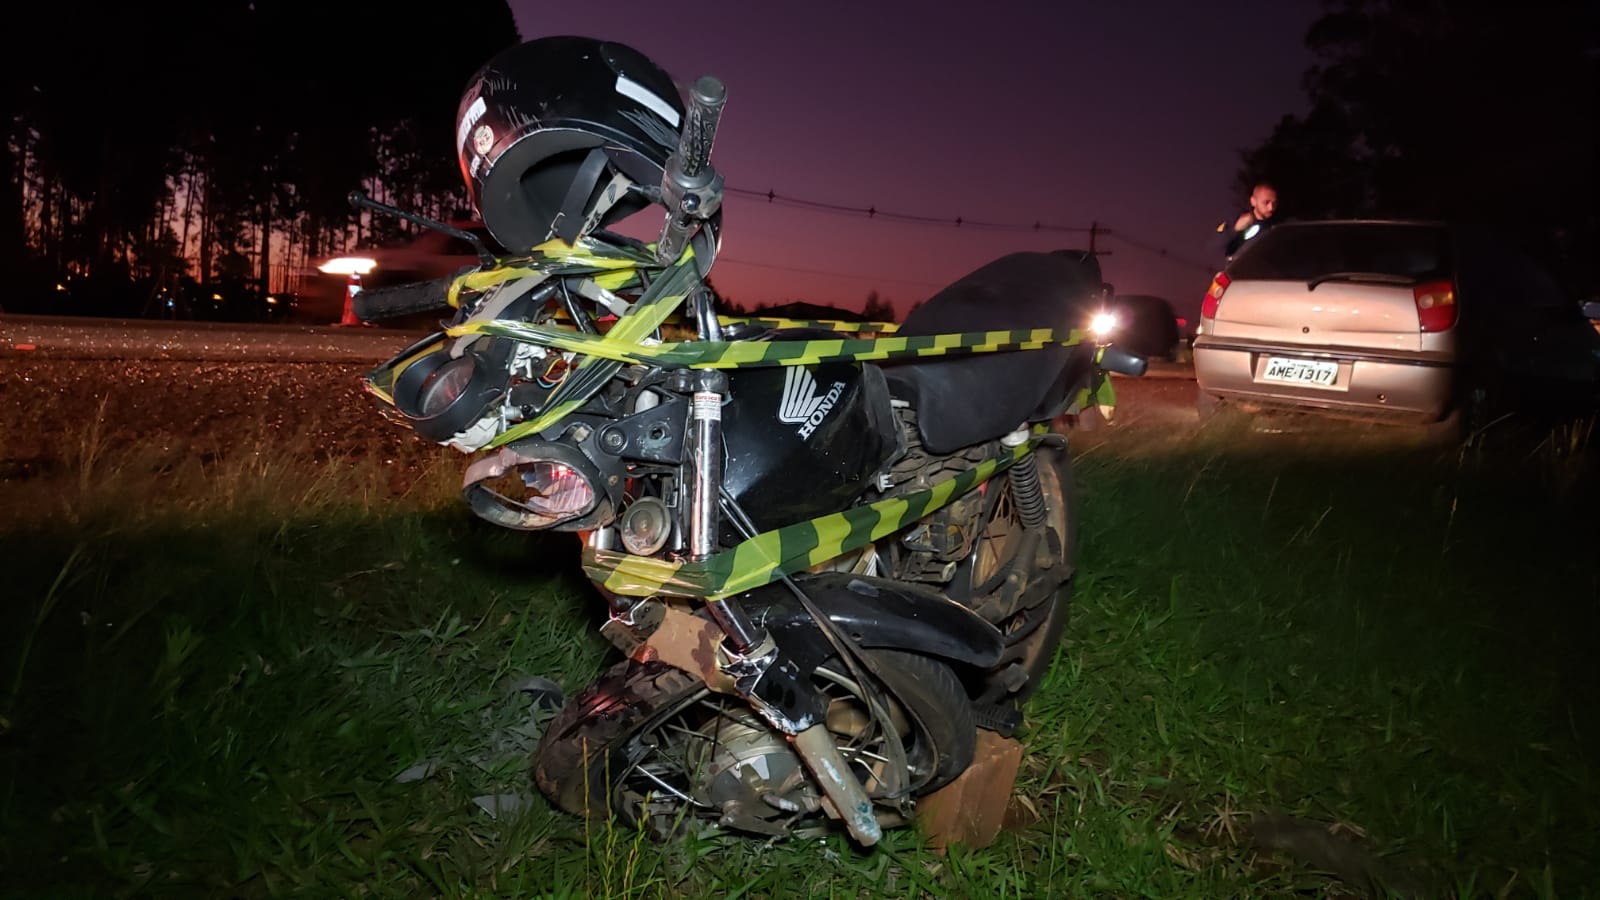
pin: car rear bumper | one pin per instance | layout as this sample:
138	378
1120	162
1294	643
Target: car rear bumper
1368	385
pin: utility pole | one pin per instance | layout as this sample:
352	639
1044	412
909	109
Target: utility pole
1094	232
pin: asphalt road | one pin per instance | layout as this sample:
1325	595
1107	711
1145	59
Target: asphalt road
1162	397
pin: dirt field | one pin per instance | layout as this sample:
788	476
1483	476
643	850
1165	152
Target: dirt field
49	408
52	411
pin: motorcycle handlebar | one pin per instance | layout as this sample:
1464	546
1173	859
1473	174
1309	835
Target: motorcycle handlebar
690	187
387	303
706	100
1123	363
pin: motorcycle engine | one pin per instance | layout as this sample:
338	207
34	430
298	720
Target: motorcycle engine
934	546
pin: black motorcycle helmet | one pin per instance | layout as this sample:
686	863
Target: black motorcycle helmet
561	135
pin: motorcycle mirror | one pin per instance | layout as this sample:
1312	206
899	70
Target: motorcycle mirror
360	199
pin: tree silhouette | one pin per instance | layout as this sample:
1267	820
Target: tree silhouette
1460	111
237	126
722	303
877	309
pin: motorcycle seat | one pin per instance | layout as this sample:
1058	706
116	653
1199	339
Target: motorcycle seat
965	400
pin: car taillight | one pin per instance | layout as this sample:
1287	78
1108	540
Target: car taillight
1208	307
1436	305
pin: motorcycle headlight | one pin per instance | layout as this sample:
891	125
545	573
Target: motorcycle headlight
556	490
532	485
1102	325
442	396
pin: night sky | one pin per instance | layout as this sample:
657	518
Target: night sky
1063	113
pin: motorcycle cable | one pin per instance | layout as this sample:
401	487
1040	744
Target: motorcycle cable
580	319
854	659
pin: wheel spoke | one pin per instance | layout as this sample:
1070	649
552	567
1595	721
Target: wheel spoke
661	783
854	753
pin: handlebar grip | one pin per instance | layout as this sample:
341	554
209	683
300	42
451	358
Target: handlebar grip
1114	360
387	303
706	100
690	188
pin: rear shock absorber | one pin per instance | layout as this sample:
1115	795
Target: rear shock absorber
1026	492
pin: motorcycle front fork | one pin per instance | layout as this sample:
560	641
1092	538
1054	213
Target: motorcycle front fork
768	680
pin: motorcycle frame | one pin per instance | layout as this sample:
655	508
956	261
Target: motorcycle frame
771	555
745	654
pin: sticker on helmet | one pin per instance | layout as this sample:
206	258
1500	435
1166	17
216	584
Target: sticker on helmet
483	140
627	87
474	113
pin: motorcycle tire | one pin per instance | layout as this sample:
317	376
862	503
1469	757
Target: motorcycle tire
1032	635
590	753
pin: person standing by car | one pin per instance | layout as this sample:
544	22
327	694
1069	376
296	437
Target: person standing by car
1253	221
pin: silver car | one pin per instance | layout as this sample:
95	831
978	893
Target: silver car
1397	321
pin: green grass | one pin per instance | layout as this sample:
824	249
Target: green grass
1393	644
212	680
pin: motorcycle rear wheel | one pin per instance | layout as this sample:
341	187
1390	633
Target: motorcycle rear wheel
1031	634
650	745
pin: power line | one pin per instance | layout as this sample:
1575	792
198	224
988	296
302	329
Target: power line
872	212
1162	252
1093	229
724	260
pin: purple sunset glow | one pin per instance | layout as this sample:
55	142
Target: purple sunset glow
1128	115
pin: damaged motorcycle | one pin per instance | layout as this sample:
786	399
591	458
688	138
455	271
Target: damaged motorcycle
830	552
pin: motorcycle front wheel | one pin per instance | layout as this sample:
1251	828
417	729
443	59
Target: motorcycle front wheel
651	746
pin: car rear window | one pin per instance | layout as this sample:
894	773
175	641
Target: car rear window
1304	252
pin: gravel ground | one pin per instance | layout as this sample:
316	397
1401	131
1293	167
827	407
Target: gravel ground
55	412
50	408
209	404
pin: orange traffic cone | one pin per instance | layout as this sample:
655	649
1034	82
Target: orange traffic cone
351	289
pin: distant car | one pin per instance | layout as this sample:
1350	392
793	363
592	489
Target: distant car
1407	322
1145	326
431	254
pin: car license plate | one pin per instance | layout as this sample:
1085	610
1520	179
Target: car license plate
1301	371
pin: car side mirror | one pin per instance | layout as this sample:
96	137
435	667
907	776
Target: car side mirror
1591	309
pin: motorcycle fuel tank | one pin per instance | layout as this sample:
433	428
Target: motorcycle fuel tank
805	441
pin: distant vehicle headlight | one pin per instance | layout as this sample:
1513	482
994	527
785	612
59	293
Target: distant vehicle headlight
348	265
